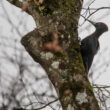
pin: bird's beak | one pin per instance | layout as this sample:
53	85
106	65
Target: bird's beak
93	23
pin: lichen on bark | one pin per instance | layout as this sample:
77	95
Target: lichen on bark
65	69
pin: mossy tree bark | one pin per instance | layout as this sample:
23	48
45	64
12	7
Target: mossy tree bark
65	69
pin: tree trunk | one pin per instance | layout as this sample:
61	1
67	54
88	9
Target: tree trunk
65	69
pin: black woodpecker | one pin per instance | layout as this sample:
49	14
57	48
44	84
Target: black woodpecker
90	44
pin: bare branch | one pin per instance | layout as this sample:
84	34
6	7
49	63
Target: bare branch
97	11
100	86
96	8
45	105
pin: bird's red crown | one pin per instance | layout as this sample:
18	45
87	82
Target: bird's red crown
105	25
